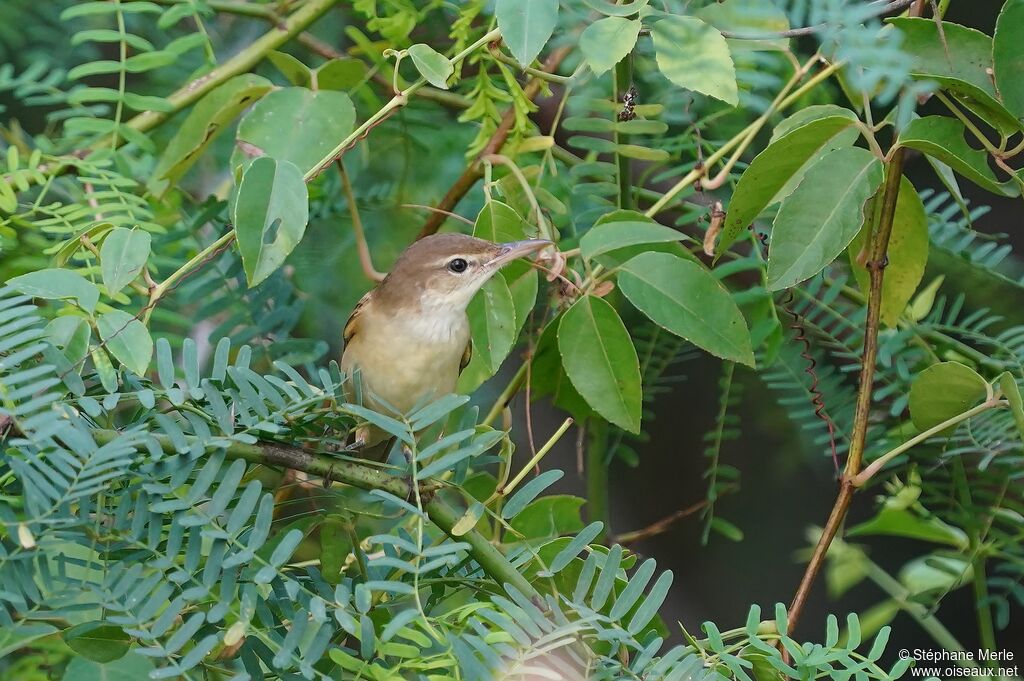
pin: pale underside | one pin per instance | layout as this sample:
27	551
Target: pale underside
404	359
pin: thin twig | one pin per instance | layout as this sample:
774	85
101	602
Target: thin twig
876	268
474	171
365	258
662	525
447	213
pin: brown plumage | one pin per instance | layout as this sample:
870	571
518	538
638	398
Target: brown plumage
408	339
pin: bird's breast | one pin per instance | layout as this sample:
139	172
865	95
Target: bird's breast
407	359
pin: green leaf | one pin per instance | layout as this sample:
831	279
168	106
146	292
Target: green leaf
1008	56
291	68
611	255
548	377
528	492
623	9
786	159
524	294
959	59
600	360
907	254
335	547
526	26
498	222
104	369
822	215
131	667
431	64
901	522
550	516
270	216
492	323
607	41
611	236
1011	391
340	74
688	300
122	256
208	118
727	529
936	574
127	339
71	335
695	56
97	641
469	519
943	391
58	284
761	20
923	302
943	138
809	114
296	125
13	639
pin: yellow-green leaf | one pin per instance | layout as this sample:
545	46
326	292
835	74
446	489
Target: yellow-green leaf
695	56
942	391
907	254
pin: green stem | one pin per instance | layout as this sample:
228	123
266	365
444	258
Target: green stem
242	9
979	585
177	275
396	102
507	394
507	489
536	73
486	554
241	63
367	477
623	81
986	632
744	135
968	123
356	474
597	474
939	633
357	551
860	479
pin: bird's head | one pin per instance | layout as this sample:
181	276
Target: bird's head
446	270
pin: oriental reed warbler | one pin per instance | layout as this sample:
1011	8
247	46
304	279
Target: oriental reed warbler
408	339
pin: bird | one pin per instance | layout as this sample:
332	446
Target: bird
408	339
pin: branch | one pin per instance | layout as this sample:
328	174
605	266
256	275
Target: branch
241	63
354	473
880	6
872	469
474	171
486	554
663	524
365	476
876	263
395	103
365	258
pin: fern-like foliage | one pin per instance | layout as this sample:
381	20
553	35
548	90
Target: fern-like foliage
169	536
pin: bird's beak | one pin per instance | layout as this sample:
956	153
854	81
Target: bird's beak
508	252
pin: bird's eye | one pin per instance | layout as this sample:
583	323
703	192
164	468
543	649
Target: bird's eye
458	265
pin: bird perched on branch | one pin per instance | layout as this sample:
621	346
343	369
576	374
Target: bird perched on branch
408	339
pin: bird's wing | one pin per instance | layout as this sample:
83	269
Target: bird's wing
467	355
352	325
